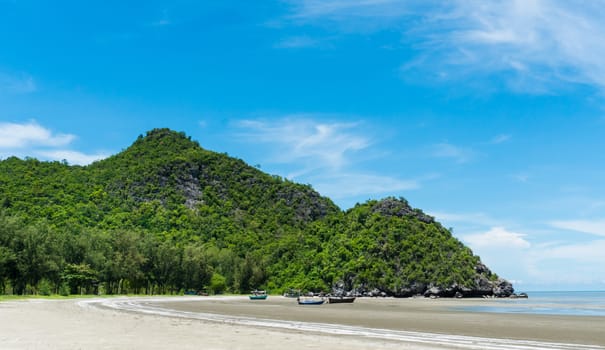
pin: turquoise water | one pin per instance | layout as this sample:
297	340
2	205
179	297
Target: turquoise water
548	303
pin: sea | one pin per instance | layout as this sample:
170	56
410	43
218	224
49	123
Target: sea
590	303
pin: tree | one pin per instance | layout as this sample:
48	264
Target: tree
123	268
7	266
38	257
80	278
196	271
218	283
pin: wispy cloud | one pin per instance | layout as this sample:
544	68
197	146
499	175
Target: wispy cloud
324	153
344	10
322	143
531	45
466	218
501	249
457	153
593	227
542	41
549	258
575	265
297	42
346	185
497	237
582	252
33	140
521	177
500	139
19	83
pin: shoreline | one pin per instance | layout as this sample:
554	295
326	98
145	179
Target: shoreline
439	316
277	323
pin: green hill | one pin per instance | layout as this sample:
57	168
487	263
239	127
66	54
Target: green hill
166	216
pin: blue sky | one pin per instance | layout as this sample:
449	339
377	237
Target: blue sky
488	115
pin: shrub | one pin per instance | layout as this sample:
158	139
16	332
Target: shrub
64	289
45	287
218	283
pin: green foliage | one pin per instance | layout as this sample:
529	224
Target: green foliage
218	283
166	215
79	277
45	287
64	289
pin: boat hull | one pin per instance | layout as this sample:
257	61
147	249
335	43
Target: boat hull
310	302
341	300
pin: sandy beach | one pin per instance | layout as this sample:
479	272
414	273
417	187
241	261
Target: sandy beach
279	323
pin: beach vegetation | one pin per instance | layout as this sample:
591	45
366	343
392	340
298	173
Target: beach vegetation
218	283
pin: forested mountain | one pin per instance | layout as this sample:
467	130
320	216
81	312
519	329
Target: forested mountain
166	215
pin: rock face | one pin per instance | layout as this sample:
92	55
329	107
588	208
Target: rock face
484	286
503	288
392	206
499	288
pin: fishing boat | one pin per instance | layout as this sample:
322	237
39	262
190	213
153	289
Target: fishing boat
258	295
340	300
309	301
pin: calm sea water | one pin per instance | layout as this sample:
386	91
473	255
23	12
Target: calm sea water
549	303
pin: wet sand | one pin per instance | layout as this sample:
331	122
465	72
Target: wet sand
279	323
416	314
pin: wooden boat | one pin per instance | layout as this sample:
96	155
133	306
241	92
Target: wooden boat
340	300
258	295
309	301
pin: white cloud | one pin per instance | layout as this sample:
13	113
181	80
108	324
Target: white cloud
13	135
549	40
503	251
582	252
568	265
72	157
324	144
469	218
540	265
594	227
324	153
537	45
33	140
550	260
497	237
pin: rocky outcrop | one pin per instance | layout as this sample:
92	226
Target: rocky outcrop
503	288
486	284
499	288
392	206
